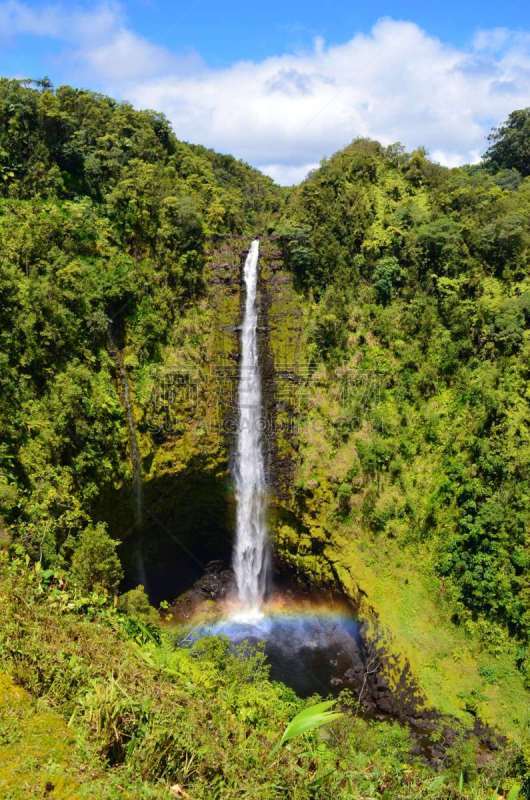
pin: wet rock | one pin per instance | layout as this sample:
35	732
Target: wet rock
216	585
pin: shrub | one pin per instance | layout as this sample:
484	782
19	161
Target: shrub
95	563
136	604
387	277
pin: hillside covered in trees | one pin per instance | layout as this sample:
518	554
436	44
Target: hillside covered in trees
419	276
409	465
104	226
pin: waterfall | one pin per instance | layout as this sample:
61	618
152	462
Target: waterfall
251	554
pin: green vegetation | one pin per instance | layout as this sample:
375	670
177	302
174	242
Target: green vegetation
309	719
412	300
509	153
423	301
412	463
95	563
105	224
145	716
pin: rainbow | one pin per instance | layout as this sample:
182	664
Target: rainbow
308	622
310	645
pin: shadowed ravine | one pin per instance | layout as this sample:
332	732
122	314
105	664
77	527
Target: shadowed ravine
262	459
315	636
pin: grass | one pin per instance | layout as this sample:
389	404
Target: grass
42	756
38	754
144	716
453	666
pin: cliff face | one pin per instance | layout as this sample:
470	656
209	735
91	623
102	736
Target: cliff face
185	417
184	420
284	366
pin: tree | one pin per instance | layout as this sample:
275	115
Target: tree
387	276
136	604
510	144
95	563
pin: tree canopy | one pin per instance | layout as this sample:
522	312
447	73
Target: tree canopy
420	276
510	144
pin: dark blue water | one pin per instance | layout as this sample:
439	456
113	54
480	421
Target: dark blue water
312	653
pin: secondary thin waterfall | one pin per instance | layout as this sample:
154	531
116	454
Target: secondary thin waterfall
251	555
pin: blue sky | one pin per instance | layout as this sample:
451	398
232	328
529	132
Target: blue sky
224	31
285	84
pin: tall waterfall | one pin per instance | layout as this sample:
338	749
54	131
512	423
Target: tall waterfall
251	555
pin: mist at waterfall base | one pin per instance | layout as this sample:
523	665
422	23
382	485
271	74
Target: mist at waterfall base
310	649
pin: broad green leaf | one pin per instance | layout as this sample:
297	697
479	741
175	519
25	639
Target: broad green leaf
309	719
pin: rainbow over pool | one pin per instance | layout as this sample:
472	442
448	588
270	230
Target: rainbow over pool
313	647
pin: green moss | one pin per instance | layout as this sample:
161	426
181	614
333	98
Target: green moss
447	659
450	662
38	755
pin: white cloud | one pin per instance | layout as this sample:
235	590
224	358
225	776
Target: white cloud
125	56
286	112
493	39
288	174
18	18
396	84
497	39
97	43
60	22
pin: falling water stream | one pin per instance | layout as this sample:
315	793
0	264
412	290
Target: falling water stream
311	647
251	554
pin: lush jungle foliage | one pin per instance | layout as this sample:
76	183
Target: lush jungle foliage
155	721
105	222
419	276
416	280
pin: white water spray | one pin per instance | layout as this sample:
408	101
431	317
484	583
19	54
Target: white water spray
251	555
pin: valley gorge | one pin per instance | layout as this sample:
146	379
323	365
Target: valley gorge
307	555
389	355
